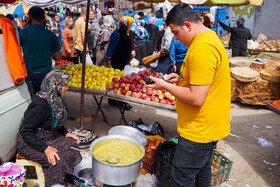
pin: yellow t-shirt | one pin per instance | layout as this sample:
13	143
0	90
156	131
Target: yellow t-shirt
206	63
80	26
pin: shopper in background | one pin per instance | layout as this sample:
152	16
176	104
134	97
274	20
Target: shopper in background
139	38
68	41
177	53
153	31
52	26
164	62
104	35
39	45
92	39
202	95
238	38
61	23
103	14
79	31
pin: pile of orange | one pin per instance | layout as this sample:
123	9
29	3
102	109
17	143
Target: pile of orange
276	103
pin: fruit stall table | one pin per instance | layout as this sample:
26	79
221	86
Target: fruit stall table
94	93
118	98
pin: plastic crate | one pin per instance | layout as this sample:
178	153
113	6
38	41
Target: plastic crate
223	166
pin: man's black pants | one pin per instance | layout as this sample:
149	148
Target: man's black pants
191	165
239	52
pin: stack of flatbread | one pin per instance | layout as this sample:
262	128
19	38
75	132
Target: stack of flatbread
244	74
272	75
240	61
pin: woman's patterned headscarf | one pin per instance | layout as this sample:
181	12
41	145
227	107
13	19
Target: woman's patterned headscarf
138	29
152	20
108	23
125	23
51	88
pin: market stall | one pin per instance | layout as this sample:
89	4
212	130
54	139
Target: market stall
254	82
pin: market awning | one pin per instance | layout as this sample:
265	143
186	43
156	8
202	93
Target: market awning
46	3
7	1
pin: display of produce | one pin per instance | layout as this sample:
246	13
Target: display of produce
95	77
240	61
272	45
272	64
244	74
272	75
276	103
134	86
61	63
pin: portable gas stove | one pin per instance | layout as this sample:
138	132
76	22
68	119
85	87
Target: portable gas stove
85	136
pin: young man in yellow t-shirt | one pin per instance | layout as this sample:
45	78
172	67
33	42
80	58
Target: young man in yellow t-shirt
203	97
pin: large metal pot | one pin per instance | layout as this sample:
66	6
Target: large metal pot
115	174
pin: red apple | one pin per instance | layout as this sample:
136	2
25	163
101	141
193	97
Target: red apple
115	90
163	101
110	87
144	89
138	89
149	92
142	82
115	79
155	99
135	83
167	95
174	102
136	79
139	86
123	91
119	92
125	80
172	98
158	92
132	87
130	81
148	98
116	85
144	96
133	94
160	76
168	102
154	92
123	85
128	93
133	74
156	74
139	95
161	97
126	88
128	77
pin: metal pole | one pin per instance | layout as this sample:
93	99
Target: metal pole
84	70
218	11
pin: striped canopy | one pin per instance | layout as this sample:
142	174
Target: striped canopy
46	3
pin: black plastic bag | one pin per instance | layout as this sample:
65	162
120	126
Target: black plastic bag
166	152
154	129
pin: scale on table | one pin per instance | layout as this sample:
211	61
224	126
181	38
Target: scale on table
86	136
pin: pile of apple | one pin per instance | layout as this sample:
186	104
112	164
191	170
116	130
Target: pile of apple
134	86
95	77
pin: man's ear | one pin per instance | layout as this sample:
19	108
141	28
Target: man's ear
187	25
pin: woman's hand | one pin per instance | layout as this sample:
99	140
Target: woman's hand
174	68
73	137
51	154
173	78
133	53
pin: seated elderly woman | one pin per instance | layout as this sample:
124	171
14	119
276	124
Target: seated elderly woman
42	138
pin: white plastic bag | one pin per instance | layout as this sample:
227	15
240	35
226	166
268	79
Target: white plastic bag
154	64
261	38
88	59
11	174
128	69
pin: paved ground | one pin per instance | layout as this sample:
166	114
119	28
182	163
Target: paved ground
254	165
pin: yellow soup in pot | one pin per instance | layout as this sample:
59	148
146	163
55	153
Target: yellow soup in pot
124	150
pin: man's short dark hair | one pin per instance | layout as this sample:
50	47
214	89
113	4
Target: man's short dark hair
140	14
181	13
16	16
37	13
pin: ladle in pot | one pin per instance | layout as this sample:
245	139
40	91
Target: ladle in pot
111	160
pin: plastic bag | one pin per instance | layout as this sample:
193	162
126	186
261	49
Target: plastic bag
11	174
154	64
134	62
261	38
128	69
166	152
154	129
88	59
